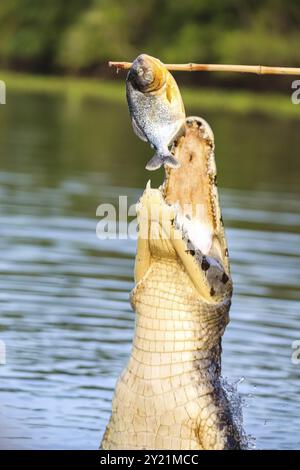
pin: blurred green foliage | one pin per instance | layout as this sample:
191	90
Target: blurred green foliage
79	35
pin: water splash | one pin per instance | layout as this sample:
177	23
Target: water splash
237	403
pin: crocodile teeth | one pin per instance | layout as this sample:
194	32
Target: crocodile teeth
197	232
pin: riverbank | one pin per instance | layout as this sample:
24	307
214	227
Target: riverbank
235	101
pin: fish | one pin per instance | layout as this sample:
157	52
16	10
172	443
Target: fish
156	108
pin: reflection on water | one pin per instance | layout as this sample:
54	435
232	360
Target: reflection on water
65	315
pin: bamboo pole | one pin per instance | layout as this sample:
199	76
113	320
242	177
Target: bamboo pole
257	69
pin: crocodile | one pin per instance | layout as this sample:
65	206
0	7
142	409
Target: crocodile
170	394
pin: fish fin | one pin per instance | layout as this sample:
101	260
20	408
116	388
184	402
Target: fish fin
138	131
159	159
155	162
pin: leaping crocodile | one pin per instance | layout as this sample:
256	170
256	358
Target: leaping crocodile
169	396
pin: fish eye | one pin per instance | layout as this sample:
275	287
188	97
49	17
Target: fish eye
140	71
149	76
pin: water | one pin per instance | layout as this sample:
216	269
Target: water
65	316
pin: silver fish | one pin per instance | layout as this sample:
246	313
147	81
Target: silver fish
156	108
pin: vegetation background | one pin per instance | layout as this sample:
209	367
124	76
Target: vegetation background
80	36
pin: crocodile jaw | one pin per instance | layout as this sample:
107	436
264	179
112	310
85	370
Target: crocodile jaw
169	396
192	190
199	233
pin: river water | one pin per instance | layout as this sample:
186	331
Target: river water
65	317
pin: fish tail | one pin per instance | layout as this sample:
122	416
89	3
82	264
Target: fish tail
159	159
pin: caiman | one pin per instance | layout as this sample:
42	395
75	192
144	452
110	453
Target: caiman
170	394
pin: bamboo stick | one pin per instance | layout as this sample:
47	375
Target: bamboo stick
257	69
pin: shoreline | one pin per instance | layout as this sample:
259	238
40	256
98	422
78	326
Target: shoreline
275	105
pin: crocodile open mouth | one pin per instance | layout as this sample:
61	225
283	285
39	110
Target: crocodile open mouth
184	213
192	190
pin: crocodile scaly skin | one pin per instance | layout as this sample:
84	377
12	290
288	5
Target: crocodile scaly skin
169	396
